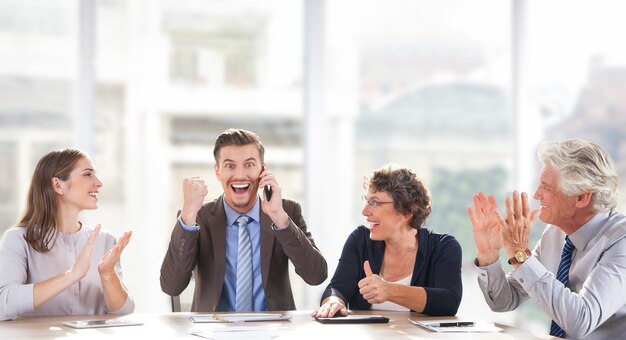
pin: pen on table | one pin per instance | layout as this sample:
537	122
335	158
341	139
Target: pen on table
452	324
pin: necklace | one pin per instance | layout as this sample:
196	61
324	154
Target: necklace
393	276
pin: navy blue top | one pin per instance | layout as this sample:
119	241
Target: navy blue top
437	269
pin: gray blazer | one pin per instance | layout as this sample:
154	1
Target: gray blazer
205	252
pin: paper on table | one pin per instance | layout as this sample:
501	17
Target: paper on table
243	332
238	317
479	327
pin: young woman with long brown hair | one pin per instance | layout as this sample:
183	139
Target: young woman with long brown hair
53	264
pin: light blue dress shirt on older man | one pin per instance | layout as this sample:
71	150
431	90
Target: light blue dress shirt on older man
593	305
21	267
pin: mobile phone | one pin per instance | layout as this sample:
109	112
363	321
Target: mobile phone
267	189
268	192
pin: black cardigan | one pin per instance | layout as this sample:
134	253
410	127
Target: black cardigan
437	269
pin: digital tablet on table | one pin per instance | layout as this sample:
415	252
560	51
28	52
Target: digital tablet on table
355	319
102	323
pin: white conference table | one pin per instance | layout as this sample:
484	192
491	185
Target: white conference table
301	326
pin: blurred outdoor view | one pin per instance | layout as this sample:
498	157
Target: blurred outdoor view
461	91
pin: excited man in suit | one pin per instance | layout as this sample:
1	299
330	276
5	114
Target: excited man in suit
213	238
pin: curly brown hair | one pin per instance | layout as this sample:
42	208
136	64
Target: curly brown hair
409	194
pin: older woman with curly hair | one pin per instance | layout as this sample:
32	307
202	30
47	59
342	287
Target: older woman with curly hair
395	263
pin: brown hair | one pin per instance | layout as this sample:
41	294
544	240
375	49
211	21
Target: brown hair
40	216
237	137
409	194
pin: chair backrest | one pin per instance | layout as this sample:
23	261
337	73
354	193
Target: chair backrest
187	294
175	303
182	302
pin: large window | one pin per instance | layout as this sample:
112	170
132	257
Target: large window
37	78
577	74
189	70
460	91
434	94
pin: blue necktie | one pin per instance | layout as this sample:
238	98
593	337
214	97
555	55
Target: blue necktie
244	267
563	275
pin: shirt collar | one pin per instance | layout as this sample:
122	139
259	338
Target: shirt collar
232	215
581	237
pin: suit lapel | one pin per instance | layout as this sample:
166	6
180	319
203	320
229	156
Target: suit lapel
267	247
217	226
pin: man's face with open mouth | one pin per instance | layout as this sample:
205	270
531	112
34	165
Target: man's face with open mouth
238	169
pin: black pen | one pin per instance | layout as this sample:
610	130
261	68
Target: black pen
453	324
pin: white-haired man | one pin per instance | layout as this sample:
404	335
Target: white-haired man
577	271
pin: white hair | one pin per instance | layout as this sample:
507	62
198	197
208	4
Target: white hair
583	166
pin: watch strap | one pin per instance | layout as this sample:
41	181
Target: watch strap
513	260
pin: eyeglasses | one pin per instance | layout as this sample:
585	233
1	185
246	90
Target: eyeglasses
373	203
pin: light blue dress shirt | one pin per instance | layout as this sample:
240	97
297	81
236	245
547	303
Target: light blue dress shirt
593	305
228	298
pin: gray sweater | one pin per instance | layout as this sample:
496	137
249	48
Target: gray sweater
21	267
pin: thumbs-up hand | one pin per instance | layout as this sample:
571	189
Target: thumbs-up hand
367	268
373	287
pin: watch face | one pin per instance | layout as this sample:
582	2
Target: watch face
521	256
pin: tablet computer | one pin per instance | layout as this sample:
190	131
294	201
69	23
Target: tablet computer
355	319
102	323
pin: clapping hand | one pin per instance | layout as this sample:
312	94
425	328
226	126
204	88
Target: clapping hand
486	222
515	229
83	261
112	257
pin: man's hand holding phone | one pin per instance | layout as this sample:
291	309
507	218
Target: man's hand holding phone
267	190
272	203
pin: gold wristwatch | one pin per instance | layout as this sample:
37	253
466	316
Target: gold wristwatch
520	257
